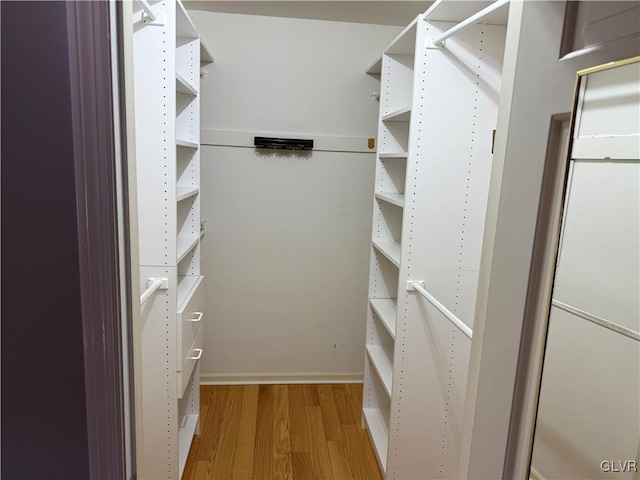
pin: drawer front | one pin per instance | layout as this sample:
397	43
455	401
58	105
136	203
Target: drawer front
190	319
193	355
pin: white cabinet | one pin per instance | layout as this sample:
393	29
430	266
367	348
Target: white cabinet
438	110
189	333
168	57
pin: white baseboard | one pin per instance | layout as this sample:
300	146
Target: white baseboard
278	378
535	475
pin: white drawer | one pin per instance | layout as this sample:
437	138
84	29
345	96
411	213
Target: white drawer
190	319
193	355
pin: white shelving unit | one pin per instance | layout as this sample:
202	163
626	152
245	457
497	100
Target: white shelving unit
396	70
386	309
400	115
168	58
392	198
385	155
438	109
182	193
377	422
180	142
391	250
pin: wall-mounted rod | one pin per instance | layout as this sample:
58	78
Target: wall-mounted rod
153	284
614	327
419	287
472	20
147	8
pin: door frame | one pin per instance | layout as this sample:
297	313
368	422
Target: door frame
103	256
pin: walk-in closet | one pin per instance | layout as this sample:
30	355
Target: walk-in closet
330	240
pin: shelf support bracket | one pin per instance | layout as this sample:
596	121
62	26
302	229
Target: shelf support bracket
153	284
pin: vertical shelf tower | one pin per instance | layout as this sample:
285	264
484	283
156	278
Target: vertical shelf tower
438	110
168	56
396	101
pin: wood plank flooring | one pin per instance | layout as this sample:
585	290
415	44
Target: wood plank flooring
281	432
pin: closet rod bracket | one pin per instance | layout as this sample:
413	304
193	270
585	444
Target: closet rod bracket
160	20
153	284
411	286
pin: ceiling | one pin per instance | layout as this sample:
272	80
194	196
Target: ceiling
395	12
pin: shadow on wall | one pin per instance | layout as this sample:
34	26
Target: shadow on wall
283	154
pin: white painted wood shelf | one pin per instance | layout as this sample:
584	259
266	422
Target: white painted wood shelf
389	249
377	425
185	245
206	57
376	67
184	25
402	114
382	360
387	311
393	198
183	86
182	193
386	155
180	142
405	42
188	425
185	288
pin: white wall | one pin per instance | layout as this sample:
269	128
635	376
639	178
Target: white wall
290	75
286	253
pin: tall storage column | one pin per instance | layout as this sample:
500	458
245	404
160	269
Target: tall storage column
167	62
387	243
437	114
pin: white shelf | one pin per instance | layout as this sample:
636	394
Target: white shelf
182	193
405	42
376	67
382	360
184	25
387	311
183	86
186	143
401	115
393	155
391	250
459	10
377	419
185	287
393	198
206	57
185	245
187	430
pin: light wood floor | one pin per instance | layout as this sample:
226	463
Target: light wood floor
281	432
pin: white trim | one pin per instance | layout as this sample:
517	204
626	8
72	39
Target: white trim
535	475
609	147
279	378
228	138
